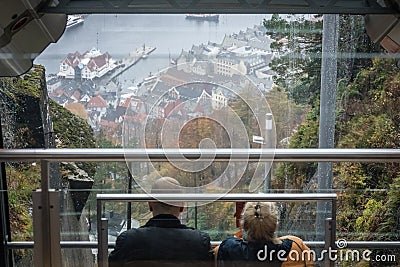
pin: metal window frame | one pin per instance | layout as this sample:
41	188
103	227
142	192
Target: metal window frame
360	7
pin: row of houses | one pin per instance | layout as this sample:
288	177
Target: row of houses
246	53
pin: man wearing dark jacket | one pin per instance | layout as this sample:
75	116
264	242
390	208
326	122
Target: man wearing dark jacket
163	240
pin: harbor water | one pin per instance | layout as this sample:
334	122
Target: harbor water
121	34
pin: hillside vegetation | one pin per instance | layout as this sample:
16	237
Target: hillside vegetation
367	116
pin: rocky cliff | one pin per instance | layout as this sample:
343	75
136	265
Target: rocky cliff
29	119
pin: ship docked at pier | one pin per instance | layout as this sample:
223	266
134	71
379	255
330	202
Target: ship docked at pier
74	20
203	17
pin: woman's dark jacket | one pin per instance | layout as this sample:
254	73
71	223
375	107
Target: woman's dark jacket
236	252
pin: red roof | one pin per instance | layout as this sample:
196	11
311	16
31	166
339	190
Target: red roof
126	103
98	61
97	102
73	59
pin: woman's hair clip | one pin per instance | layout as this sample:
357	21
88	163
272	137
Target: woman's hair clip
257	211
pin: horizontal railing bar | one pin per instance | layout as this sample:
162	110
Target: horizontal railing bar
93	244
120	154
373	244
64	244
218	197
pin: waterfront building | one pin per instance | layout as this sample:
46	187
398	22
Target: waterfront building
228	65
89	65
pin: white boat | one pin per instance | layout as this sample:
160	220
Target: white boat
208	17
74	20
146	51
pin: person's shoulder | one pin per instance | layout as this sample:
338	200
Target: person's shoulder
292	237
297	241
231	241
205	237
191	229
232	248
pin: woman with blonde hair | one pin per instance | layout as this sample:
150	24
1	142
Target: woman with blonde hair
258	245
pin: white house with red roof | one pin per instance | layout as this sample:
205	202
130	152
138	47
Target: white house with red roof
89	65
97	103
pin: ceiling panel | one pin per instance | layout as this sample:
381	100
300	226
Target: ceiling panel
219	6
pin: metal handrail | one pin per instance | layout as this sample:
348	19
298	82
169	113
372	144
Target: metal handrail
141	154
311	244
218	197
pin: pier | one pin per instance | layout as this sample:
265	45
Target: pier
127	62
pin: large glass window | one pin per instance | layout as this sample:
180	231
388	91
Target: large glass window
210	81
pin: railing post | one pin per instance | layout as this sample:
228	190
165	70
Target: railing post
104	242
46	223
329	243
5	234
102	253
46	228
268	144
102	237
334	212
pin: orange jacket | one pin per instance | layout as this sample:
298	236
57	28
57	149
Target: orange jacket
305	258
298	256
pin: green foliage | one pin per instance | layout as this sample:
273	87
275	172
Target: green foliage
287	115
353	42
31	84
71	131
371	218
291	175
370	119
352	180
275	25
298	70
367	117
370	131
103	142
392	211
214	218
243	106
21	181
